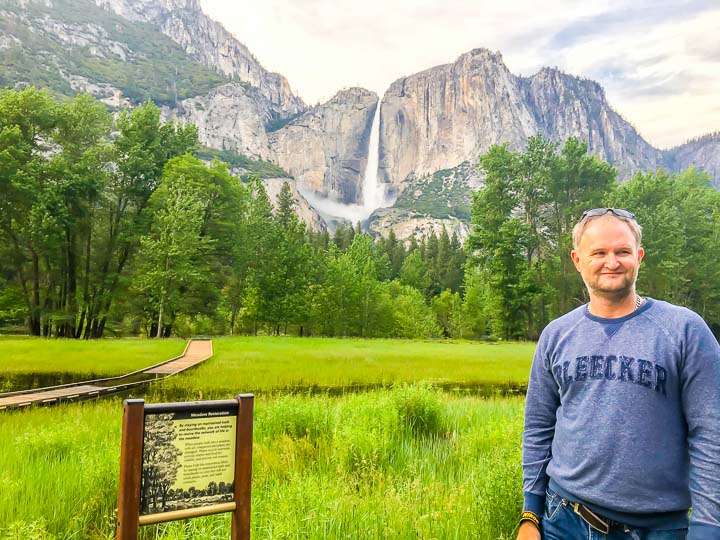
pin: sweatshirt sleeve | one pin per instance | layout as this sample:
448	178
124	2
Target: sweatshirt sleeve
541	404
700	380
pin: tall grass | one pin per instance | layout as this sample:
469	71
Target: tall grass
406	462
58	471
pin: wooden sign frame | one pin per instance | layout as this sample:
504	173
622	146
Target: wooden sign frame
131	458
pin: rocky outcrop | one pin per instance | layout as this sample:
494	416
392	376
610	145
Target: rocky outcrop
208	42
564	106
325	149
230	117
703	153
449	114
407	224
302	207
446	193
443	116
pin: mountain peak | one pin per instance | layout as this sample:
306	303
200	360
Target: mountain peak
483	52
358	91
208	42
558	79
480	56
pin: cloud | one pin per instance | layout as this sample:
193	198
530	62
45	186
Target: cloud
641	79
628	20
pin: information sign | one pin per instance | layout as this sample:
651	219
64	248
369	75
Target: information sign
182	460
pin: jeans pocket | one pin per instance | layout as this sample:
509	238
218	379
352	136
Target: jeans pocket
553	502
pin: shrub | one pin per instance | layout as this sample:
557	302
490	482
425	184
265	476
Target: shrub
420	410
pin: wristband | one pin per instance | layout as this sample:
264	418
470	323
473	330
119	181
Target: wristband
530	516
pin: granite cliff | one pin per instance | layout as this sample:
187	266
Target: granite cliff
565	106
703	153
449	114
325	149
233	116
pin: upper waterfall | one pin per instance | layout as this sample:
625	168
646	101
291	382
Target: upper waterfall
373	193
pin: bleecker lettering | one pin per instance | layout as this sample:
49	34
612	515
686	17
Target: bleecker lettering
581	368
626	373
660	379
567	379
597	367
644	375
609	374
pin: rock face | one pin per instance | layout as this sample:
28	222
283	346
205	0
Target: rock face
325	149
230	117
448	114
208	42
564	106
443	116
703	153
303	208
407	225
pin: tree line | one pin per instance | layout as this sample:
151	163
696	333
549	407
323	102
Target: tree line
522	234
112	226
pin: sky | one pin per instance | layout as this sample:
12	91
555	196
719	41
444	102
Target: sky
658	60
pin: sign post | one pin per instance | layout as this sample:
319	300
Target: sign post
185	460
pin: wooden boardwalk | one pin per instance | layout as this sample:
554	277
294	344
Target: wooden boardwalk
196	351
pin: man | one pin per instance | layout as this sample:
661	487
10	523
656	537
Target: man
622	418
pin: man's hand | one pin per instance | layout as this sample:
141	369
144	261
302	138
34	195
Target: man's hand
528	531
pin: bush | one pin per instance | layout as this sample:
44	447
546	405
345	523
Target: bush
420	410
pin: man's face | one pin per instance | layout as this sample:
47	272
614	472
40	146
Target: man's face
608	257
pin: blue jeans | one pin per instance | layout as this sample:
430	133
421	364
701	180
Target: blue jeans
560	522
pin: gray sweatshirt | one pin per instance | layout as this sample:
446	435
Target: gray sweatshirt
623	415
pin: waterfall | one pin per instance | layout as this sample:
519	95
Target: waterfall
373	193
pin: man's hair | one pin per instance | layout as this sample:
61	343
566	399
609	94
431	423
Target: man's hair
581	225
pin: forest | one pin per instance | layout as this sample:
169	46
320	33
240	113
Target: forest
121	225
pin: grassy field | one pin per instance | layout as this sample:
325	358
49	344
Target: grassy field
107	357
298	364
410	461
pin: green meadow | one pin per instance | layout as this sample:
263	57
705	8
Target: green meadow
283	365
99	358
393	456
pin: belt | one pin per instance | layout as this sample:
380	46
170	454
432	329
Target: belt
598	523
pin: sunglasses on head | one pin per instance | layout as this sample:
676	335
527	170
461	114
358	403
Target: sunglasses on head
602	211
